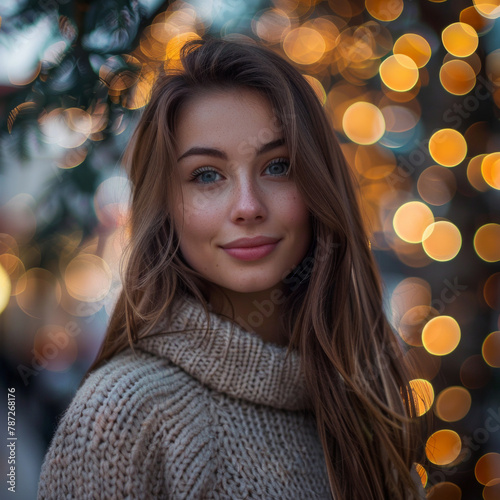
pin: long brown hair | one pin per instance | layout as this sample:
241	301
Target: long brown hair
359	386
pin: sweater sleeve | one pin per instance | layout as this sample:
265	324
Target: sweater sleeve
100	448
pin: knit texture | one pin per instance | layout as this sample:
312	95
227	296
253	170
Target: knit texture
189	416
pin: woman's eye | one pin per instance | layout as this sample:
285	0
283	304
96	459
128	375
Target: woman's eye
207	175
204	176
279	167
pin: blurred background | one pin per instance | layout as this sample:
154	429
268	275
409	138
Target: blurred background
412	90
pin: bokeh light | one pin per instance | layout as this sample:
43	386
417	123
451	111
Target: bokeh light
491	291
390	76
363	123
491	349
460	39
399	72
273	24
304	45
88	278
411	220
374	162
447	147
409	293
5	287
488	468
422	394
487	242
436	185
442	241
15	270
470	15
414	46
490	169
385	10
492	490
38	283
412	323
443	447
441	335
488	8
457	77
492	68
422	473
474	174
453	403
445	491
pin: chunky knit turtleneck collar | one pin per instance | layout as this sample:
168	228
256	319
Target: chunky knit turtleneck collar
240	364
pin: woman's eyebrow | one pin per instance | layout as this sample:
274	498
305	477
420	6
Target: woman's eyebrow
217	153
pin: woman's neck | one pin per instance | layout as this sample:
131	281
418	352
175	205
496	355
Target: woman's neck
258	312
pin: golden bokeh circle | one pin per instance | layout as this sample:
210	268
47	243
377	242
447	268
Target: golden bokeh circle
447	147
414	46
5	288
423	395
474	174
363	123
442	241
488	468
443	447
444	491
490	169
491	491
14	267
441	335
411	221
472	16
453	403
491	349
488	8
304	45
457	77
384	10
399	72
460	39
436	185
412	323
487	242
422	473
88	278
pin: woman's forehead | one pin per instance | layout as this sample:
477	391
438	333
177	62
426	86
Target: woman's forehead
233	120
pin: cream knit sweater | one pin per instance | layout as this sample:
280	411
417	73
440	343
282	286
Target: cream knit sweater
187	418
190	416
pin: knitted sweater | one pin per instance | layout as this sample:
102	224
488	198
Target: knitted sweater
189	416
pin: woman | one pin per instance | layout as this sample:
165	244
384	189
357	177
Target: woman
248	355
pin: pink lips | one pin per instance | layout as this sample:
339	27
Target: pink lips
251	248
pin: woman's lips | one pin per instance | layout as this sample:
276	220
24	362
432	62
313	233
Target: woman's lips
251	253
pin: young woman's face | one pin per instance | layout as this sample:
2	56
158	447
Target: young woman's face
234	185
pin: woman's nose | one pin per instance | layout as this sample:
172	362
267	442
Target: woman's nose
248	202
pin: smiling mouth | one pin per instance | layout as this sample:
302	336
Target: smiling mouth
251	253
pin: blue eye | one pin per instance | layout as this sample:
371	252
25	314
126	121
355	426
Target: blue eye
277	163
203	173
207	175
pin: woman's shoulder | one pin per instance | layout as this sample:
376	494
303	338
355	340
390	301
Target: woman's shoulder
119	418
